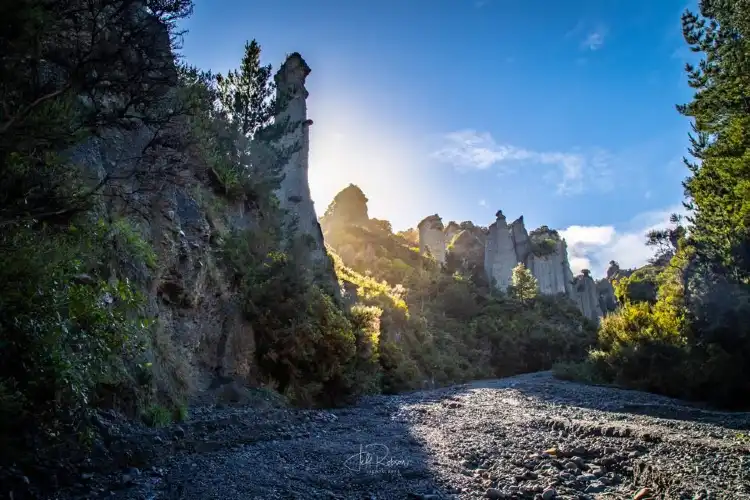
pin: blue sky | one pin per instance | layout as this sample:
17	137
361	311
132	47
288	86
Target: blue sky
563	112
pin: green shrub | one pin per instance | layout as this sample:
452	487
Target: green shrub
157	416
693	347
641	286
578	371
180	413
65	333
365	369
543	246
304	341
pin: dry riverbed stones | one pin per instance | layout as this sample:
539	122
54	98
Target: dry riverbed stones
526	437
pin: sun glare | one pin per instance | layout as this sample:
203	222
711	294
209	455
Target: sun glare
352	144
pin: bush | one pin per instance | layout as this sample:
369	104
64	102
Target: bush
365	369
65	332
693	345
157	416
641	286
303	341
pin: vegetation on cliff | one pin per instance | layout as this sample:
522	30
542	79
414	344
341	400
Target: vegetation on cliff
692	339
92	139
441	324
73	329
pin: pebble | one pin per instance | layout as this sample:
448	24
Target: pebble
493	494
570	465
642	494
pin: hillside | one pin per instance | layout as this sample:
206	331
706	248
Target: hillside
442	325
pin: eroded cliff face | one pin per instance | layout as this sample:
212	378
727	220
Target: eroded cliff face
500	253
505	245
301	221
587	295
548	262
201	332
466	248
432	237
199	325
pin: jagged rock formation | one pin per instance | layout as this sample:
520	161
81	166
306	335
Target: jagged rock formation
500	253
294	192
432	238
201	331
586	295
543	252
547	259
451	230
466	248
503	246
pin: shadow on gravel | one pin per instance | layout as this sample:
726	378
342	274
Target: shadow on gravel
354	452
548	389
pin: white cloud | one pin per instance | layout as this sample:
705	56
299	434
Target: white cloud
592	247
594	40
469	149
596	33
483	203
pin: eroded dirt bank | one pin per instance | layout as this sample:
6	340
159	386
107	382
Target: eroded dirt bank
529	436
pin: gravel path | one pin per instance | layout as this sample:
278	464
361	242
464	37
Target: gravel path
529	436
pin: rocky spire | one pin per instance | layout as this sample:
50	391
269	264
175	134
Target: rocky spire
432	237
294	191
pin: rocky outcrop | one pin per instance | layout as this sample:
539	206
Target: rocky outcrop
586	295
432	238
500	253
451	230
542	251
547	259
521	241
200	329
607	299
294	193
466	250
503	246
349	207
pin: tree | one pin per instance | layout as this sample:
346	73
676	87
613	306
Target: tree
666	241
89	113
524	285
72	70
718	188
248	160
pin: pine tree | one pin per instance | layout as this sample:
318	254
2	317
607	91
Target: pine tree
249	160
719	185
524	285
247	94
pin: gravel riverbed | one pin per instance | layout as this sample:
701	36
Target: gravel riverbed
530	436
